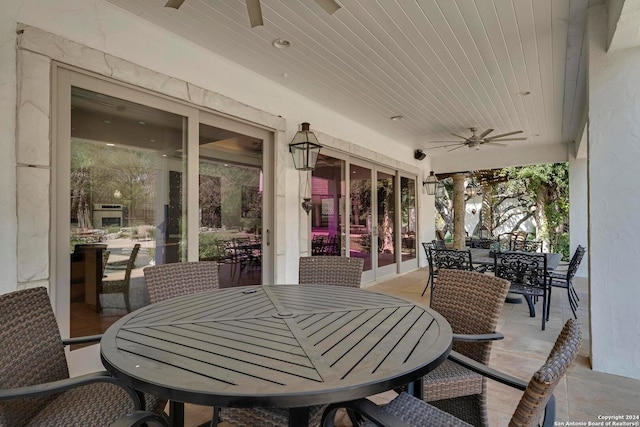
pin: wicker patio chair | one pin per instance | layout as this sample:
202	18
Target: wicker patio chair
330	270
181	278
471	302
538	399
565	279
120	286
35	388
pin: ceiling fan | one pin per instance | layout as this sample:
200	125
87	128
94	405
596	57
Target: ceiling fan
475	141
255	12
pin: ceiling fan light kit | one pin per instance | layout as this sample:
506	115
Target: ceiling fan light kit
419	155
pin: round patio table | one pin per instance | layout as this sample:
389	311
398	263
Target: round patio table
287	346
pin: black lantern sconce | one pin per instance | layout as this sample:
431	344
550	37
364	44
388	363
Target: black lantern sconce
305	149
431	184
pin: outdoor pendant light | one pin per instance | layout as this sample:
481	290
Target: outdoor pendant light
305	149
431	184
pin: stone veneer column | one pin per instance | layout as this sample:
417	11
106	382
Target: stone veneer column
458	211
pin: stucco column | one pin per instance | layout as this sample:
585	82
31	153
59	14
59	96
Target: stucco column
458	211
578	209
613	158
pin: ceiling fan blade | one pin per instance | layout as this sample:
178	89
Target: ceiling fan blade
452	142
508	139
462	145
255	13
504	134
445	146
174	3
495	144
329	5
485	133
463	137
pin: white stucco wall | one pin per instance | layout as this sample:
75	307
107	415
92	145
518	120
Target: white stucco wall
95	24
614	154
578	207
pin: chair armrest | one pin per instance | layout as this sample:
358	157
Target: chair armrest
139	418
82	340
488	372
367	409
492	336
66	384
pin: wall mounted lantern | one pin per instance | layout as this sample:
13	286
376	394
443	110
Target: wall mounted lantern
431	184
305	149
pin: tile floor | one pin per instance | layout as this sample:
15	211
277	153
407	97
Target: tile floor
582	395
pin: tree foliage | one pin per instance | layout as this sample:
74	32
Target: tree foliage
514	195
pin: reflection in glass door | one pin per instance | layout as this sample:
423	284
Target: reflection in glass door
327	193
408	219
126	201
360	217
386	228
231	204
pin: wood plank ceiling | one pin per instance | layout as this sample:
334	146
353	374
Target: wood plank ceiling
443	65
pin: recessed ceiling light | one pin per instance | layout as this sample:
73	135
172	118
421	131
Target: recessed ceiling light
110	144
164	155
525	93
394	118
142	123
536	134
281	43
152	140
107	121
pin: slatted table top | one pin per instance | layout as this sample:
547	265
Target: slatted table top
276	346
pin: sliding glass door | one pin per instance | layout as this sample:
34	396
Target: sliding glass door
142	180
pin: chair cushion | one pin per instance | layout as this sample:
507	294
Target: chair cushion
418	413
451	380
266	417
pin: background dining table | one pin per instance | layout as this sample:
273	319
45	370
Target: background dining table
287	346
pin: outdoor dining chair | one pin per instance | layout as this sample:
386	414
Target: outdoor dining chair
181	278
120	286
565	279
427	246
528	275
536	404
471	302
314	270
35	388
330	270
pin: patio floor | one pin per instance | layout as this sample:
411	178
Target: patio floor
582	395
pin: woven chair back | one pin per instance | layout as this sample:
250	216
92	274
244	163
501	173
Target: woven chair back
132	262
471	302
544	381
182	278
330	270
574	264
31	351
